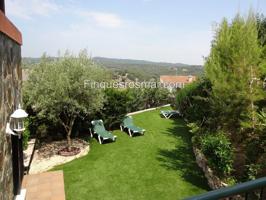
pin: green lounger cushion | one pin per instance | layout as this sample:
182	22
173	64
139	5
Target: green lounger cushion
99	129
128	123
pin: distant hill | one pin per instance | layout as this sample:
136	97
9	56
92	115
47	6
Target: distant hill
27	62
145	70
141	69
136	62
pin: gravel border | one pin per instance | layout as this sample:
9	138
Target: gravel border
46	157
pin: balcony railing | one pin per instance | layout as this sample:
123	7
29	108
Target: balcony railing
251	190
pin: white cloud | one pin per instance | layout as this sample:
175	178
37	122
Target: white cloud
103	19
103	33
31	8
133	40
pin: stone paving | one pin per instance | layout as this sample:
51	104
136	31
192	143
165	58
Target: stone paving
44	186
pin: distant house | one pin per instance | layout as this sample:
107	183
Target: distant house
175	82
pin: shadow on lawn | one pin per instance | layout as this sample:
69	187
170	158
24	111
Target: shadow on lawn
181	158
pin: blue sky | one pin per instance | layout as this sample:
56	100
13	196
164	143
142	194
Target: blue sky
156	30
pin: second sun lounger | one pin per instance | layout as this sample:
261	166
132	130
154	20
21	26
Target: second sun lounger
128	124
169	113
99	129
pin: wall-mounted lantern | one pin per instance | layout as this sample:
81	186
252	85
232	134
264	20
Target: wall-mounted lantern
15	126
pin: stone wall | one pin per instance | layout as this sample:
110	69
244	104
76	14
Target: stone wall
10	85
213	181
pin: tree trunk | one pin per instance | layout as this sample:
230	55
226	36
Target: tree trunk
69	132
69	139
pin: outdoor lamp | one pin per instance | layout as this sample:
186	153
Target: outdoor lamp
15	126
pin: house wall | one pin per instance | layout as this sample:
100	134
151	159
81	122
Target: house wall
10	85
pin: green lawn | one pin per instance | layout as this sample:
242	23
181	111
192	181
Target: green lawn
158	165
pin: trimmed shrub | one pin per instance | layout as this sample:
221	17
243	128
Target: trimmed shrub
218	150
193	101
26	134
115	107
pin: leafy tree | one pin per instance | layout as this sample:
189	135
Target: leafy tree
229	104
156	96
56	90
115	107
119	102
193	101
233	69
261	26
137	99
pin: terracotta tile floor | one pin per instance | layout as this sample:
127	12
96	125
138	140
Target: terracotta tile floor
44	186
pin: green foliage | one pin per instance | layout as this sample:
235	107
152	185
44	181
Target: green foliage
231	181
233	68
136	69
26	134
256	147
155	97
137	99
252	171
193	101
194	128
55	90
236	69
218	149
231	98
120	102
262	121
42	131
261	26
115	107
146	70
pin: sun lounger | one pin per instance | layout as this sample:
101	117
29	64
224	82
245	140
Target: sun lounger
128	124
99	129
169	113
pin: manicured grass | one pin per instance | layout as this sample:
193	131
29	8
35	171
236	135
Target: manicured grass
158	165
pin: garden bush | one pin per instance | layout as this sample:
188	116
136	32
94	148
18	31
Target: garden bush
119	102
225	109
116	106
26	134
57	90
137	99
193	101
155	97
219	152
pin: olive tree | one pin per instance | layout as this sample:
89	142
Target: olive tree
56	91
